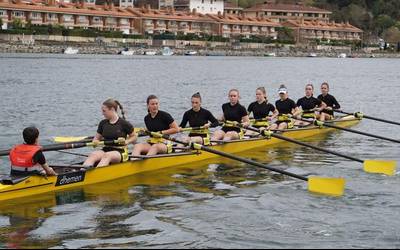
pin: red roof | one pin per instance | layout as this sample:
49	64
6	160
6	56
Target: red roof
316	25
287	8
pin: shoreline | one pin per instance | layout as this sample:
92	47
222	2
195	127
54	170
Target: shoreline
18	44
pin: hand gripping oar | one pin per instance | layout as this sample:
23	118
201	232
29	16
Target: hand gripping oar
316	184
63	146
329	125
370	166
192	129
360	115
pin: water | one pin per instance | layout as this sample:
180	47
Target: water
219	203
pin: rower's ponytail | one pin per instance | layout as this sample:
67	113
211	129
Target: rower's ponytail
122	109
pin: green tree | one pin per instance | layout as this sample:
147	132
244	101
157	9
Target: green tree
382	23
17	24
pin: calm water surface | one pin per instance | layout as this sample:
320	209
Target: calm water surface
219	203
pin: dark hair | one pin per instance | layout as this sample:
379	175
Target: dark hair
310	85
114	104
197	95
151	97
326	84
30	135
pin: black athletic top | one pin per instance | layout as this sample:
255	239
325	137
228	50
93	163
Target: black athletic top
285	107
39	158
198	119
309	103
120	129
233	113
330	101
160	122
262	110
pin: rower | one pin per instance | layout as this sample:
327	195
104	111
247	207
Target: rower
113	128
233	111
330	102
160	122
310	106
198	117
286	108
262	109
28	158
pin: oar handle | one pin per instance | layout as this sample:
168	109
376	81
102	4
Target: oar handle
193	128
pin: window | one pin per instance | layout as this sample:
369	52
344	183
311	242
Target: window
202	1
97	19
18	14
2	13
36	15
82	18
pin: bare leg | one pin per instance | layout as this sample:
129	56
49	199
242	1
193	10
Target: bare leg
93	158
158	148
283	126
273	126
231	135
110	157
141	149
218	135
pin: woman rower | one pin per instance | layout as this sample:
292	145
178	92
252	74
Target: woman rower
311	106
160	122
112	127
200	118
233	111
286	108
330	102
262	109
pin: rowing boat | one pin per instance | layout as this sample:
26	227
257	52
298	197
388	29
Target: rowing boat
70	177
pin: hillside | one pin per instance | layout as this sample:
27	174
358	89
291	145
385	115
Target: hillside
378	18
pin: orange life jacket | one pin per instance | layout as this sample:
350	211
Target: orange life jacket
22	155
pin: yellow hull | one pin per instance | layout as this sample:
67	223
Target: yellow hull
35	185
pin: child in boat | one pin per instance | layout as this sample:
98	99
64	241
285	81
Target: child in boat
28	158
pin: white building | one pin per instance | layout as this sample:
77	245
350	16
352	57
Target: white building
201	6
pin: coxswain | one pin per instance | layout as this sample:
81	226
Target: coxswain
28	158
113	128
160	122
198	118
286	108
330	101
233	112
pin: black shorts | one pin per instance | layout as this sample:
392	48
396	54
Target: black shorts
230	129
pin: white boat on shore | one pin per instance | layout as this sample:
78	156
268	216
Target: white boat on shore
342	55
150	53
312	55
126	52
271	54
190	53
70	51
167	51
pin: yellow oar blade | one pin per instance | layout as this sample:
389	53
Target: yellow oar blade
380	167
327	186
66	139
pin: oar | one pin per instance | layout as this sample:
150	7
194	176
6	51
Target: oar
192	128
66	139
330	125
63	146
370	166
361	115
316	184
